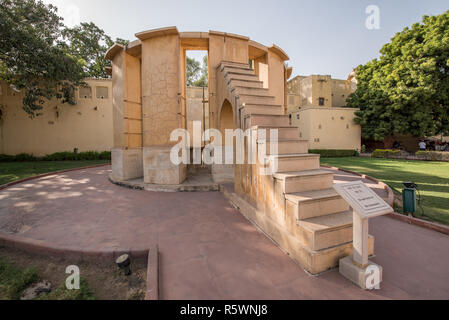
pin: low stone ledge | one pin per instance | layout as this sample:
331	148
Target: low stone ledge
152	292
421	223
39	247
185	187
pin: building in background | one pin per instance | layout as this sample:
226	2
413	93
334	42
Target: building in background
86	126
316	104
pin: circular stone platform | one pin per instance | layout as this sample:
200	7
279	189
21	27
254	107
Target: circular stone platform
208	250
198	182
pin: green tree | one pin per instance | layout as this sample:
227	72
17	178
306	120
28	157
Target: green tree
89	44
192	69
197	74
203	80
406	90
33	56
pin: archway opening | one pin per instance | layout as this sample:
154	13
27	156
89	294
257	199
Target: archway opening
226	119
224	173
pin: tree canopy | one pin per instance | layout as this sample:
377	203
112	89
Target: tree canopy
32	57
197	73
406	90
45	59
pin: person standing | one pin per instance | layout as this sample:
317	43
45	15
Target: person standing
422	146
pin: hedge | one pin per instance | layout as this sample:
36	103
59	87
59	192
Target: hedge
433	155
385	153
333	153
58	156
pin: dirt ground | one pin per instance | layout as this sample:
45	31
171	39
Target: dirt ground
106	281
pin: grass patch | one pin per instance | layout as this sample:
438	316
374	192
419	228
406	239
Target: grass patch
432	179
62	293
14	280
12	171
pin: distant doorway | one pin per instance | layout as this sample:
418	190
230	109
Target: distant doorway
197	90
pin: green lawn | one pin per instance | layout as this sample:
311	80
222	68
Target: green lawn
12	171
432	179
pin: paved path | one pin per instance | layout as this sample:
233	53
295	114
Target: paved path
207	249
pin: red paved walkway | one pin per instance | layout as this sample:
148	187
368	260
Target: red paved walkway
207	249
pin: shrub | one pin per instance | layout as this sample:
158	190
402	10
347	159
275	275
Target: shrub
58	156
105	155
6	158
433	155
333	153
89	155
24	157
61	156
385	153
363	149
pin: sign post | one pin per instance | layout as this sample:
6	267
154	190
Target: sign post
366	204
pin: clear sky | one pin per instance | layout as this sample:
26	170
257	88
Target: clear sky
320	36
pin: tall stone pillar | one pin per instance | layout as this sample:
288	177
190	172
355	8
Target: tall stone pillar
161	104
127	115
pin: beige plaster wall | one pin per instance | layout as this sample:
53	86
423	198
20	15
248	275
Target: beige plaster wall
62	127
328	128
321	88
341	89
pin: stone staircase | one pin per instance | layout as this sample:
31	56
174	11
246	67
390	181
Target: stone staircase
300	209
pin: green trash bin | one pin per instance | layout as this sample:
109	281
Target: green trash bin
409	200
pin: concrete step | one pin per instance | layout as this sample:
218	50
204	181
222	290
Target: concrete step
284	133
232	64
256	99
319	261
325	232
264	119
249	91
286	146
317	203
198	168
302	181
240	76
238	69
295	162
245	83
265	109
